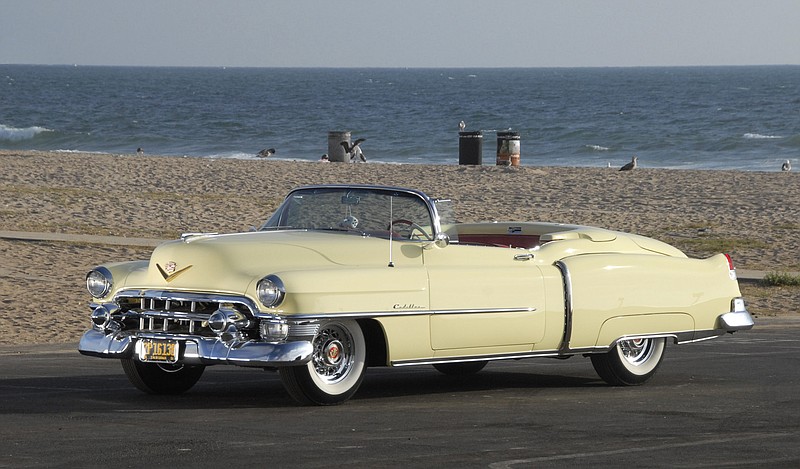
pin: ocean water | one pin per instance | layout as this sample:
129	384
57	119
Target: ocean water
743	118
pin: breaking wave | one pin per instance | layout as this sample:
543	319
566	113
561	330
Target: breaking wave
596	147
760	136
13	134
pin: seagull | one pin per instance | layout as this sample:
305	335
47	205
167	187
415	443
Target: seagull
354	149
630	166
139	151
266	153
461	126
786	166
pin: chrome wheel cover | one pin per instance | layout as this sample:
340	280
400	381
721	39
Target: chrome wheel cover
333	353
636	351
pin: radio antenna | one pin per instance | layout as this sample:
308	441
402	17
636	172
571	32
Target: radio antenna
391	231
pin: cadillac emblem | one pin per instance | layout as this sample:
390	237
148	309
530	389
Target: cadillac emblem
170	267
170	270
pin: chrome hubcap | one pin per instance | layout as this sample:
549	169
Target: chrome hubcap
636	351
333	353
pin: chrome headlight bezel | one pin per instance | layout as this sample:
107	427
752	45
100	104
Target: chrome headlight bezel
270	291
99	282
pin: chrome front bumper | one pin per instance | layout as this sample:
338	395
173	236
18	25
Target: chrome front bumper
197	350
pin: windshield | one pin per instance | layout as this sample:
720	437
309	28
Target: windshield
366	211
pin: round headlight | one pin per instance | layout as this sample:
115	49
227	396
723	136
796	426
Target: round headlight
99	282
270	291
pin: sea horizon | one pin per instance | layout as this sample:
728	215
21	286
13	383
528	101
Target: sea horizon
694	117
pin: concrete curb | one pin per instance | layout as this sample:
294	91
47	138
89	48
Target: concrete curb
80	238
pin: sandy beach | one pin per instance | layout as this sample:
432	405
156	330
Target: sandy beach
754	216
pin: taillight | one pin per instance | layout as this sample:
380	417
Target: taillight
730	262
731	268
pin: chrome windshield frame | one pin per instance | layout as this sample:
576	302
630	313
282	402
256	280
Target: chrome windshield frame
429	202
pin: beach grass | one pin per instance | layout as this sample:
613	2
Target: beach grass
782	279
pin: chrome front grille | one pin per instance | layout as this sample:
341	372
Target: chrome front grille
175	312
182	313
152	321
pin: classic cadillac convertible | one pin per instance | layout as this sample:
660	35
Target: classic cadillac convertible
345	277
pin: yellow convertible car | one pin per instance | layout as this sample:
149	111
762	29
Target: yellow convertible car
344	277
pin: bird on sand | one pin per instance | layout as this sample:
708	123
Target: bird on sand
461	126
786	166
266	153
354	149
630	166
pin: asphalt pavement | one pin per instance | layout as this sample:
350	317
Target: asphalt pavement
727	402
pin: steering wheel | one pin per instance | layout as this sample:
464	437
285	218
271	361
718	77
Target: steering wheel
408	230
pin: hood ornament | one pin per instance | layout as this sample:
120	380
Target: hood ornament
170	270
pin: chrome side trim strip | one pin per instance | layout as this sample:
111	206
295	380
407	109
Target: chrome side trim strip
473	358
671	335
567	279
426	312
486	310
699	336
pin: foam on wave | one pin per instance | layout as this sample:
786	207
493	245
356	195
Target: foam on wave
14	134
596	147
759	136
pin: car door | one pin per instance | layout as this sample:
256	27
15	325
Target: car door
490	299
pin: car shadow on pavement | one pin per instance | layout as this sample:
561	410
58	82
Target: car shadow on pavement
229	388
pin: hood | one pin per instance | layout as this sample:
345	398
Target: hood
230	262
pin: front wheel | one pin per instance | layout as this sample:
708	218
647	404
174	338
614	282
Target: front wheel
154	378
630	362
336	368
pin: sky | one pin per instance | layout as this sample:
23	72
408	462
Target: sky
400	33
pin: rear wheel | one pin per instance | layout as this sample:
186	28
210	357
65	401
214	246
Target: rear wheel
630	362
336	368
154	378
460	369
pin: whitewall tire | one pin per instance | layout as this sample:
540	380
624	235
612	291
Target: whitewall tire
336	368
631	362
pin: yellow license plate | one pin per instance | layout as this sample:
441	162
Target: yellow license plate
158	350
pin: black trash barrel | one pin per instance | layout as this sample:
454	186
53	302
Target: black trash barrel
470	147
335	150
508	148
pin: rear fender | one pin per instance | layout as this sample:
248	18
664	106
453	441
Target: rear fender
615	295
